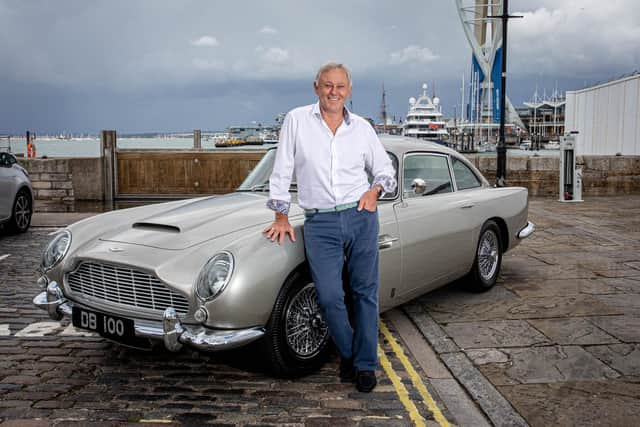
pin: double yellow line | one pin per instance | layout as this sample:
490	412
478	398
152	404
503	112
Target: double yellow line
401	390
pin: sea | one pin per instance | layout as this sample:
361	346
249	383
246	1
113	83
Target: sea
90	146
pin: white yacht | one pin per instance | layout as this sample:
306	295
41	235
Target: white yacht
424	119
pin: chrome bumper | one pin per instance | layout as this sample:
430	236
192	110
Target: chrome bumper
527	230
170	331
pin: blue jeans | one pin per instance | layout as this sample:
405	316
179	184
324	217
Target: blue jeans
330	239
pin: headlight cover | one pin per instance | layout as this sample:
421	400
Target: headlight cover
214	276
56	250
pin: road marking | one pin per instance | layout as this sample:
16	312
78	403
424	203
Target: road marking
401	390
415	378
4	330
39	329
5	256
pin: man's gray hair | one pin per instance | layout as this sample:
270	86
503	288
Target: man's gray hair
332	66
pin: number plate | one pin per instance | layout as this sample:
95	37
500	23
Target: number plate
108	326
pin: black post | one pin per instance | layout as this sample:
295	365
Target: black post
501	148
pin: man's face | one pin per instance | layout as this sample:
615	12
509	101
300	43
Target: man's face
333	90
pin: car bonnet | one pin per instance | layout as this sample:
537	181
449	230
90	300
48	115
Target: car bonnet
196	222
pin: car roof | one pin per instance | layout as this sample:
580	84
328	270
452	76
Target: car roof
402	144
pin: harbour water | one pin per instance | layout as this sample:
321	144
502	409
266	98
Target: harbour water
90	147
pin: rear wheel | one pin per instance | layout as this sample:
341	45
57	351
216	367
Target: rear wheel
486	266
21	212
297	338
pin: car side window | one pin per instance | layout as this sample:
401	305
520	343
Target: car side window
425	175
465	178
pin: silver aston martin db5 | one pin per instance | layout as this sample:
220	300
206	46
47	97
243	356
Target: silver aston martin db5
200	273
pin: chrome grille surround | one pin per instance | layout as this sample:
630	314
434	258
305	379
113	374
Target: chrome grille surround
125	286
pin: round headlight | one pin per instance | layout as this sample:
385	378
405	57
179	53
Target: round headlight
56	250
214	276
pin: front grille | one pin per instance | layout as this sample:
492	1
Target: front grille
125	286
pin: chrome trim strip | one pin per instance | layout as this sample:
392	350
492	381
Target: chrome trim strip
527	230
171	331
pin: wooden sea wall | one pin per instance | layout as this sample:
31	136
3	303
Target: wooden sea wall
161	173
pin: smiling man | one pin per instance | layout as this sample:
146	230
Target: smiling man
333	152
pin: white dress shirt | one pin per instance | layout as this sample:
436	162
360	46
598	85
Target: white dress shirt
330	169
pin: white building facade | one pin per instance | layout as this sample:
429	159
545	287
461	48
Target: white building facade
606	116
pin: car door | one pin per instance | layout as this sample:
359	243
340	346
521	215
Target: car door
389	246
7	178
431	223
389	256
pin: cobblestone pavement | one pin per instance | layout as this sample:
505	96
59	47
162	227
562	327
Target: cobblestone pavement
51	373
559	336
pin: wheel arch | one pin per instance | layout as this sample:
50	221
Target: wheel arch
504	232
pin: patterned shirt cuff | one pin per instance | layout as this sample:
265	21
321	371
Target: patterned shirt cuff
388	183
279	206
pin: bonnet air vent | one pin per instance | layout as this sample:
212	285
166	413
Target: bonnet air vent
156	227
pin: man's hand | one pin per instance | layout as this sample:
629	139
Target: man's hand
279	229
369	200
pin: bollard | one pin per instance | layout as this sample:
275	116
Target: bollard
108	144
197	139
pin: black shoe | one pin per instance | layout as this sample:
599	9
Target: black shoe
347	371
366	381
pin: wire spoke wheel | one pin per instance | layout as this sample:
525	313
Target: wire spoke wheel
488	252
486	266
305	330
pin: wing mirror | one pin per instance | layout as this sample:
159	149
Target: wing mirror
419	186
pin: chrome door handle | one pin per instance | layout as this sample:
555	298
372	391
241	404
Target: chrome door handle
467	206
385	241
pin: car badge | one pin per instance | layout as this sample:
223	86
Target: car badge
116	249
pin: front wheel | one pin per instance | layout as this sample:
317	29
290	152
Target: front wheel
297	337
486	266
21	212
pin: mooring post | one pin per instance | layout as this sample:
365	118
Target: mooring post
197	141
108	146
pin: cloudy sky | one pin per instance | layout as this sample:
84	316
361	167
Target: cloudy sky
160	65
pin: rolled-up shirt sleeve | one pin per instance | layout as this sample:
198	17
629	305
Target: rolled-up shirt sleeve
280	179
381	167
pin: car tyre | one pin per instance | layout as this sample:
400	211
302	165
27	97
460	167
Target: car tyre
297	339
486	266
21	212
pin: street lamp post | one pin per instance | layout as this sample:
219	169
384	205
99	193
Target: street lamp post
501	149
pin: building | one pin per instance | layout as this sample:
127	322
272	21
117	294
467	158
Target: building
544	118
606	117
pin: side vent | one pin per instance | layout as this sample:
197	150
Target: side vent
156	227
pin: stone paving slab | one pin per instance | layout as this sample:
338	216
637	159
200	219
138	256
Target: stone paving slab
559	335
575	331
625	328
624	358
585	403
549	364
494	333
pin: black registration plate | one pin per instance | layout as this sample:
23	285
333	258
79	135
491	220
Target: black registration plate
114	327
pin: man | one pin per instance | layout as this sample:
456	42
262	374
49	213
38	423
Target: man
331	151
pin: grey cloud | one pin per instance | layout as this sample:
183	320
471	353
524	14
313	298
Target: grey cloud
116	55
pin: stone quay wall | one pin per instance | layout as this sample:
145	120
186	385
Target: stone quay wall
601	175
66	180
